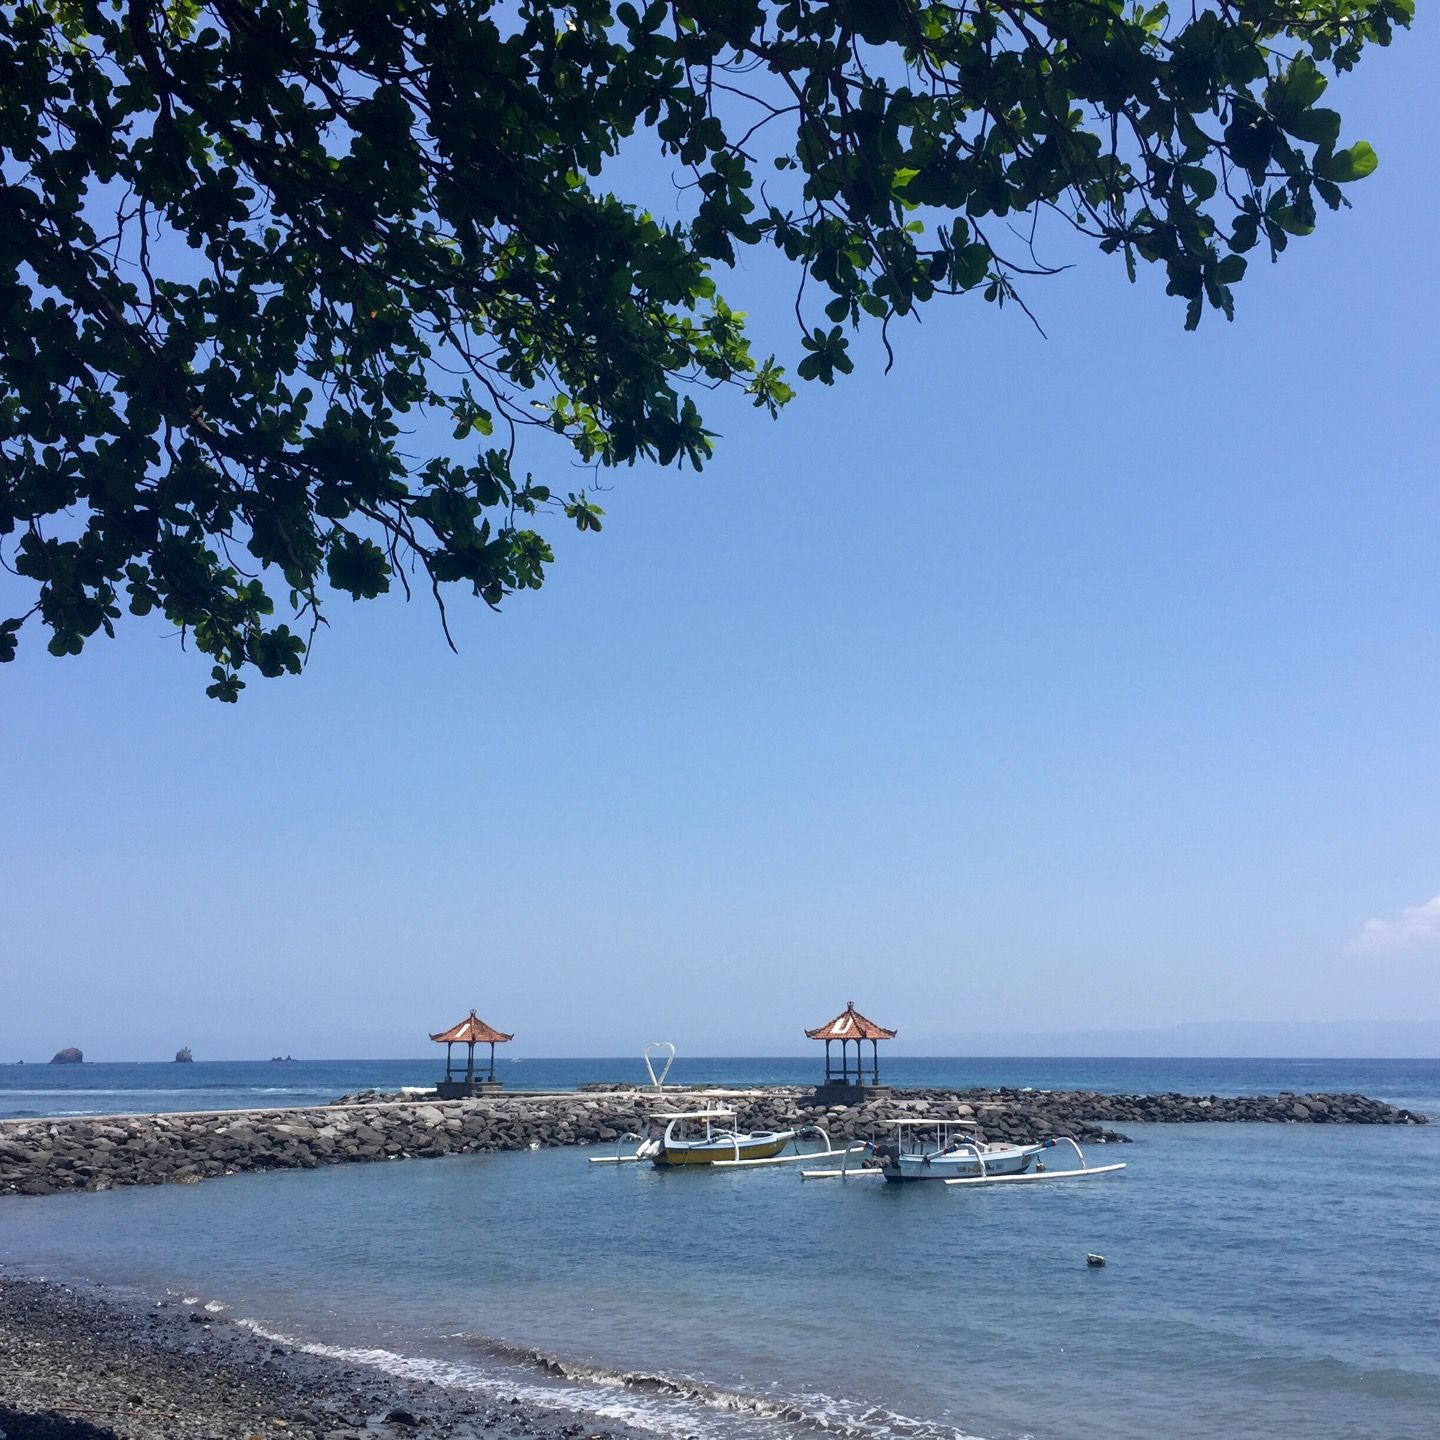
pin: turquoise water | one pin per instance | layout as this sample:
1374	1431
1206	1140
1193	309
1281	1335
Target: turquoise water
214	1085
1262	1281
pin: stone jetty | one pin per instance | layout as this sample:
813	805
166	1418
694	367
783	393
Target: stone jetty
44	1157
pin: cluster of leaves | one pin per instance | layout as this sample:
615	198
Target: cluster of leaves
283	286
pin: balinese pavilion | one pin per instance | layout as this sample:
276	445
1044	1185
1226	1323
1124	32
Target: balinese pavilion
846	1083
470	1032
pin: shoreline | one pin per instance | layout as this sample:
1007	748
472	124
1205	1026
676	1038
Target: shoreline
85	1362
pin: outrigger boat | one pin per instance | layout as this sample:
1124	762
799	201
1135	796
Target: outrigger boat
942	1149
710	1137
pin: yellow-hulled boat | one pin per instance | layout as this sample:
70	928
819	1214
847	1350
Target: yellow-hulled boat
687	1138
702	1137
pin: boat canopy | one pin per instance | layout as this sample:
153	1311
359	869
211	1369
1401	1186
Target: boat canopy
937	1120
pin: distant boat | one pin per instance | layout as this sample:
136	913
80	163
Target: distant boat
183	1056
282	1060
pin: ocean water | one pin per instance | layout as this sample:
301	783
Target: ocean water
1263	1281
120	1087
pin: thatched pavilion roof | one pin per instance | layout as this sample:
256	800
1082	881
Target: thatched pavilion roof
850	1024
472	1030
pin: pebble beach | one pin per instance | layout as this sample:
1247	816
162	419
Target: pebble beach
86	1364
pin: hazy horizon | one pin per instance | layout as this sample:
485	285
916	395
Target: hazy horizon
1217	1040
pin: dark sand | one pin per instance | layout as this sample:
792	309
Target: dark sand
93	1364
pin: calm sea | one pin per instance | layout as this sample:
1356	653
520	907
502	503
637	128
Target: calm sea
1263	1281
119	1087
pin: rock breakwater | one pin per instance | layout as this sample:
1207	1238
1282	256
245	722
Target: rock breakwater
44	1157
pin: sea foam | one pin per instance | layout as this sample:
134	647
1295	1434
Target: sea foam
645	1400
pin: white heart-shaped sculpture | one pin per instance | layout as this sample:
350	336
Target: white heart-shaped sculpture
659	1047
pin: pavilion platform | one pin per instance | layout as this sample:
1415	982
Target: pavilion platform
840	1093
466	1089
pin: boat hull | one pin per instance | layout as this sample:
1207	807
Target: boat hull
999	1160
707	1152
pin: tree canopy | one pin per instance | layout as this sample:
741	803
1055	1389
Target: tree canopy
253	256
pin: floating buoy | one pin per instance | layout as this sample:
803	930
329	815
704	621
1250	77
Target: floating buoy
1094	1261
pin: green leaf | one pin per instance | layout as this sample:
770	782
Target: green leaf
1251	138
226	687
1292	220
1246	232
970	265
1344	166
358	567
1230	270
1319	127
1296	90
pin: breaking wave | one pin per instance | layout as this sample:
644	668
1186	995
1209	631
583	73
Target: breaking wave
645	1400
805	1412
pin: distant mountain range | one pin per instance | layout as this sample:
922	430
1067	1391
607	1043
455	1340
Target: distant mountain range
1227	1039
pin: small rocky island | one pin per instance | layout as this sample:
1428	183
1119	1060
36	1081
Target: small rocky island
68	1056
183	1056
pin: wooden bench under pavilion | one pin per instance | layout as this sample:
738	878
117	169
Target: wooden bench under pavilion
470	1032
846	1083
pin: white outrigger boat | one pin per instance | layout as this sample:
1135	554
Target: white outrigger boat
943	1149
710	1137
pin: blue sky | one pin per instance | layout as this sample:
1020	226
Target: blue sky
1043	684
